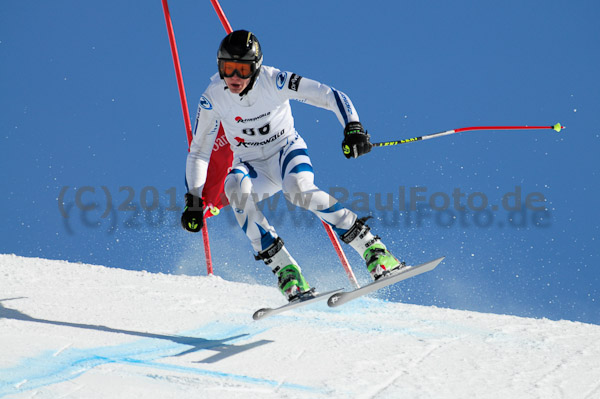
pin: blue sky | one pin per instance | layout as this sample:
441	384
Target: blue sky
89	102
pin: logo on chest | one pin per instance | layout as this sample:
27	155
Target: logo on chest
239	119
241	142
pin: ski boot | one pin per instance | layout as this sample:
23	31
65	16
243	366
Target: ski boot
378	259
291	282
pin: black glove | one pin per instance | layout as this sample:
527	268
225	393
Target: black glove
192	218
356	140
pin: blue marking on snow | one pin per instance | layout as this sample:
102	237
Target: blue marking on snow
49	368
362	311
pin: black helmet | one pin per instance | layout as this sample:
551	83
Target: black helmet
240	46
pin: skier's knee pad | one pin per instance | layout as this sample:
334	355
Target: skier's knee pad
299	183
237	183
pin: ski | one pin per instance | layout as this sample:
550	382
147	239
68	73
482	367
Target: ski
341	298
306	299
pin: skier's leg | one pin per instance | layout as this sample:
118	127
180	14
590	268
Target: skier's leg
299	188
289	275
379	260
244	187
240	188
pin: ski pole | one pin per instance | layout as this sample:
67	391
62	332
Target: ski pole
558	127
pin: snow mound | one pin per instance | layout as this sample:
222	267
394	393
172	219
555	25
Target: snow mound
83	331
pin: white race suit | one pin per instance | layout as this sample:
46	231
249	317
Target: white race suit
269	154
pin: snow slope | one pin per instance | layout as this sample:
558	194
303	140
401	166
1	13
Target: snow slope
83	331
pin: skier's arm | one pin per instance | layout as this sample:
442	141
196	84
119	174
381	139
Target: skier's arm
356	140
320	95
205	133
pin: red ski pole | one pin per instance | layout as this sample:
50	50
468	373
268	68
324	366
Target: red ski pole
558	127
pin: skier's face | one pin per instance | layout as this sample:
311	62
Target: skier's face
236	84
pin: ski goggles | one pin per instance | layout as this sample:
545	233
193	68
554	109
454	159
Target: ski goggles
242	69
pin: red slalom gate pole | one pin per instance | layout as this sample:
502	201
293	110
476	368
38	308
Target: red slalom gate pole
186	117
221	15
334	240
207	254
180	86
340	252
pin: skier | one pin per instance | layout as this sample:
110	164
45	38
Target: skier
251	101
